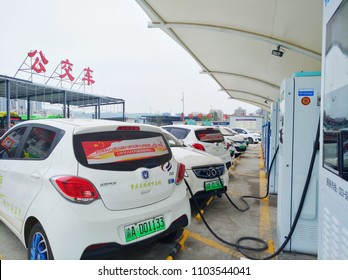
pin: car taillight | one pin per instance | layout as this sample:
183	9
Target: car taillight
75	189
128	128
228	145
181	173
198	146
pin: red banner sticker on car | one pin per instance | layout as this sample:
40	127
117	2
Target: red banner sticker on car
99	152
210	137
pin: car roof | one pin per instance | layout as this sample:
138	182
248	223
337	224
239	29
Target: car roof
88	124
190	126
72	121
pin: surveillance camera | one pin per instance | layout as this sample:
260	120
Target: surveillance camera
278	52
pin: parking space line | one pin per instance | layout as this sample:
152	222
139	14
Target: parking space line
215	245
201	211
265	231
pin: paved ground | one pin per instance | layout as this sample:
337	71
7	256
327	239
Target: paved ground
225	217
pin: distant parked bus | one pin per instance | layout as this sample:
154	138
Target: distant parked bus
14	119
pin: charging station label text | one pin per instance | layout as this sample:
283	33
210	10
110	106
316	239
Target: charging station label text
306	92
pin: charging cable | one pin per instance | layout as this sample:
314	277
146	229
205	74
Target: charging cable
264	245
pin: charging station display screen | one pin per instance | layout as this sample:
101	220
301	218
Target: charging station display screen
335	134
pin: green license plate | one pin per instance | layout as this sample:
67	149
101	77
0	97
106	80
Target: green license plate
213	185
144	228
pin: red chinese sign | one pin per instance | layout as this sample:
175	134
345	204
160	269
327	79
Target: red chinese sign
67	68
88	76
40	61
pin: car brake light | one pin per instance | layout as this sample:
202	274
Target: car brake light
181	173
228	145
132	128
198	146
75	189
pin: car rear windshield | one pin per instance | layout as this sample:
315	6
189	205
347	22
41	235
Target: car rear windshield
209	135
121	150
178	132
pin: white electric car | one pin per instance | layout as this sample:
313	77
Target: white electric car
253	137
237	140
205	138
205	174
72	188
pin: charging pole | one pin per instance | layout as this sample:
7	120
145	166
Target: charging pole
333	167
299	112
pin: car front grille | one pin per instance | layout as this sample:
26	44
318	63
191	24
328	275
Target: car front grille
209	172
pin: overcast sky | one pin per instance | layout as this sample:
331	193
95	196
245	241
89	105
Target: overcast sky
130	61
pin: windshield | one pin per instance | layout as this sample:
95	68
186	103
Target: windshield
172	140
209	135
226	132
121	150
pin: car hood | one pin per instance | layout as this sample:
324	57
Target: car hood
193	157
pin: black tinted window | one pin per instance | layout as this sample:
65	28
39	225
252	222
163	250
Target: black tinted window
179	133
121	150
38	143
10	143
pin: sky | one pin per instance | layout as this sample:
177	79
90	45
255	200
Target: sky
141	65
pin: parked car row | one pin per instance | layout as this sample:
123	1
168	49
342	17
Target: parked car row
71	189
252	137
205	174
236	140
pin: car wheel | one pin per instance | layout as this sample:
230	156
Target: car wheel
251	141
173	236
39	247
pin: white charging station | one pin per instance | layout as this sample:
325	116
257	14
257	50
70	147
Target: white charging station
274	142
299	111
333	167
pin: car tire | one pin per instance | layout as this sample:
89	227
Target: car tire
173	236
38	246
251	141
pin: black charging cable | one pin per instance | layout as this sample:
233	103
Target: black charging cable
242	198
264	245
241	247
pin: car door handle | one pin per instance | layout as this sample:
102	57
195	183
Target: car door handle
35	175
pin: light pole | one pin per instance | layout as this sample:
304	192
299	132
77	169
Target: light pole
183	103
183	107
150	115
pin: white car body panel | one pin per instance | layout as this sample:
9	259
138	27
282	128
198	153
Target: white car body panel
72	227
195	160
255	136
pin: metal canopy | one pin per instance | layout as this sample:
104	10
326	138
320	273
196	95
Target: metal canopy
232	40
27	90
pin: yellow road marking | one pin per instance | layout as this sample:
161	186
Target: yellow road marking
265	231
198	216
264	222
215	245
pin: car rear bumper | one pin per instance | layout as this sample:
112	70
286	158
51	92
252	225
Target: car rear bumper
72	229
108	250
